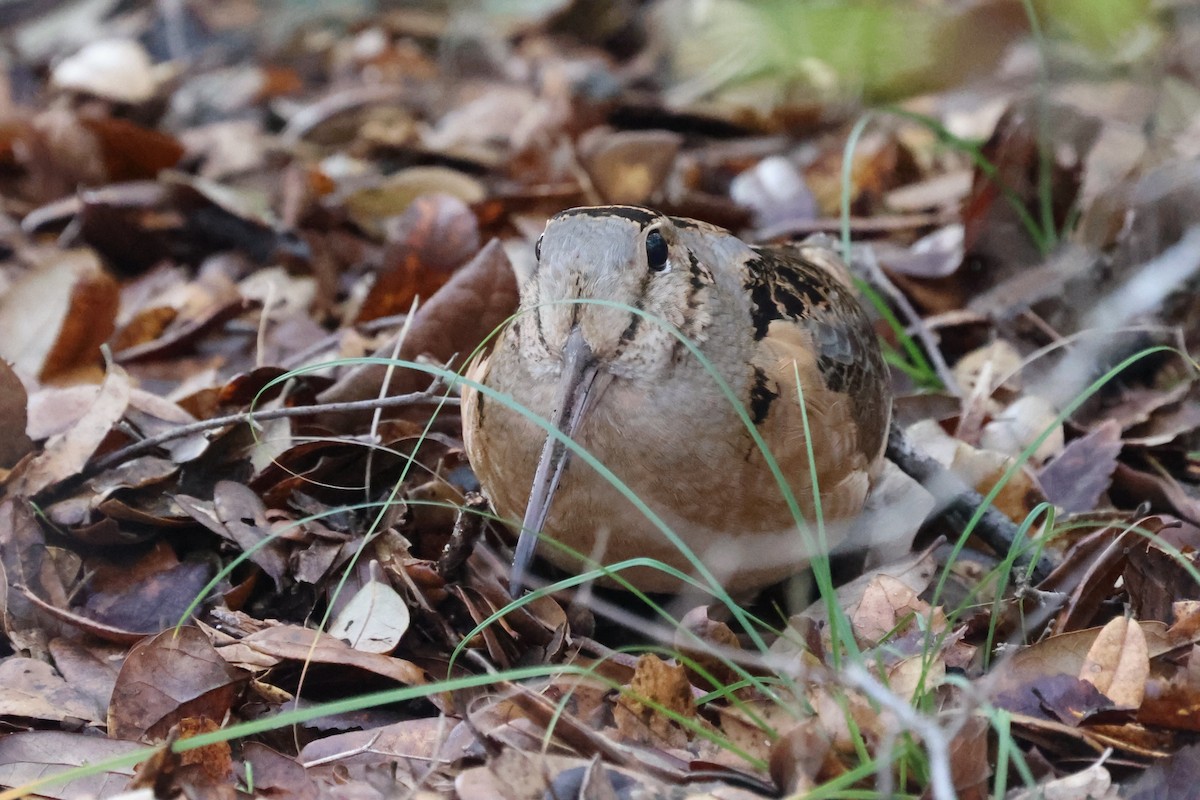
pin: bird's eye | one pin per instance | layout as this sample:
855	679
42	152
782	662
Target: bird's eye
656	251
537	248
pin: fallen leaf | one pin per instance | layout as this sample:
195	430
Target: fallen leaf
375	618
293	643
65	454
371	205
55	317
278	775
167	678
1118	663
661	684
26	756
33	689
115	69
798	755
1080	474
480	296
629	167
14	441
434	236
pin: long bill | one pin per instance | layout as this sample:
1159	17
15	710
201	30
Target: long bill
582	381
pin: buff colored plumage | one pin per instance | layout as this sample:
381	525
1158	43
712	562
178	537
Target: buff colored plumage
626	389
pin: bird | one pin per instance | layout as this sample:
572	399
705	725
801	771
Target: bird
605	344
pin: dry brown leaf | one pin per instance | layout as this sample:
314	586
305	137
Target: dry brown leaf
1118	662
28	756
434	236
970	767
1158	569
294	643
665	685
35	690
914	571
982	469
886	604
66	453
911	677
370	206
416	739
277	775
1075	480
696	624
797	756
148	603
167	678
242	514
54	319
629	167
1066	654
89	666
510	775
479	297
14	402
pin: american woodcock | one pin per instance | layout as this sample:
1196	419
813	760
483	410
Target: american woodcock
595	350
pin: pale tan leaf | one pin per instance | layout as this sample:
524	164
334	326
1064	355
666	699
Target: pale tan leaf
1118	663
55	318
375	618
67	453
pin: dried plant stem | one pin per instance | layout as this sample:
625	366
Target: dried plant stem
957	501
143	446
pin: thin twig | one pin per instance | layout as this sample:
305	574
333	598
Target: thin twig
144	446
916	324
957	501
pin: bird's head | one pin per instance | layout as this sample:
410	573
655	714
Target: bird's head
611	287
613	275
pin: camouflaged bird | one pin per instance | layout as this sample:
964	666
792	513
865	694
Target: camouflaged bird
623	385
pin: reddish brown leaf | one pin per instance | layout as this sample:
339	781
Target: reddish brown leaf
168	678
14	442
477	299
132	152
433	237
56	317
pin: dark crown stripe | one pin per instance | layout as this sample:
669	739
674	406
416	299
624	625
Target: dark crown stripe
642	216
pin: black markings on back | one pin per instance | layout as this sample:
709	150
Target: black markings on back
761	396
784	286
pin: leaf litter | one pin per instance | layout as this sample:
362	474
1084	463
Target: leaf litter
215	216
